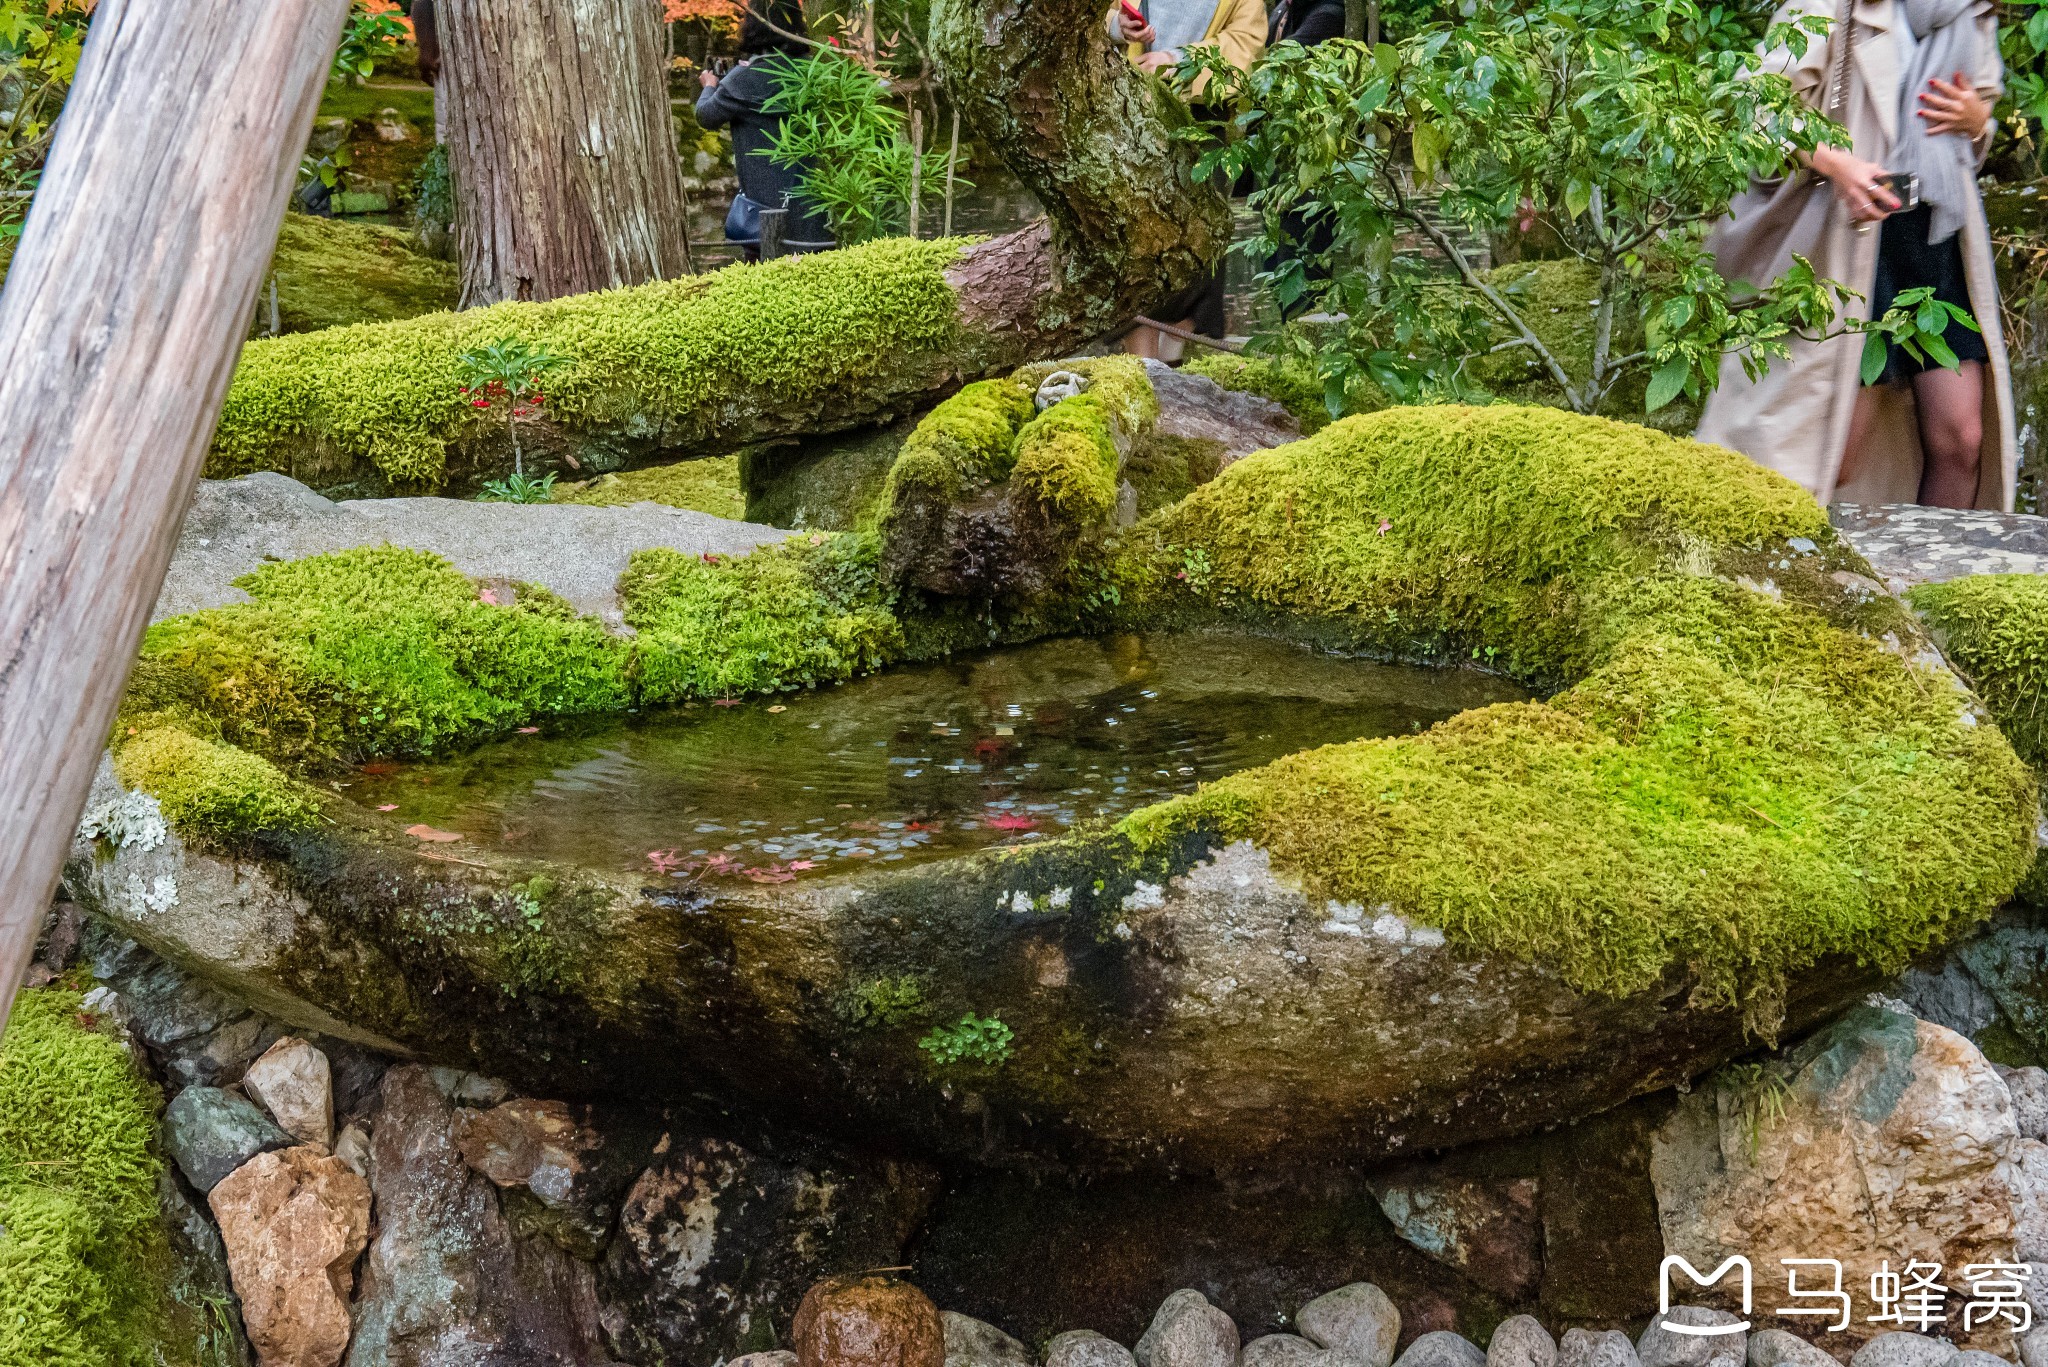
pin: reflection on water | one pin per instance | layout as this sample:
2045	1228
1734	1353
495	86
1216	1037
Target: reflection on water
1011	745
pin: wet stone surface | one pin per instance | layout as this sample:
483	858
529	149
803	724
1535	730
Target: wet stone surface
918	763
1908	544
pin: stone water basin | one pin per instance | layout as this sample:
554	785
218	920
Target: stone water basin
919	763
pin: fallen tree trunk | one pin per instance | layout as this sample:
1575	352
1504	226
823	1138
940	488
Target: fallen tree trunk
119	325
817	344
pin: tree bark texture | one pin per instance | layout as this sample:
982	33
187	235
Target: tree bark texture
1126	225
561	146
119	326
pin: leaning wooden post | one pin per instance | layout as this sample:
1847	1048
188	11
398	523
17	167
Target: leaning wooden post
122	316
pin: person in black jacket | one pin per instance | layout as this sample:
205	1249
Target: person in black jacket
1307	22
769	39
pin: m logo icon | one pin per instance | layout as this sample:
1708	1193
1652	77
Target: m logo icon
1692	1273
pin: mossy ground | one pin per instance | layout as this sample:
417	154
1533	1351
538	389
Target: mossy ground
1732	781
84	1261
706	486
389	395
332	273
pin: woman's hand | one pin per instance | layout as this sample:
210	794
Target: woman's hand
706	79
1135	32
1953	107
1155	61
1858	184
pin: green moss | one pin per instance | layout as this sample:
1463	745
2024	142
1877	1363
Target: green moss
82	1255
1067	462
1733	782
967	441
1293	387
374	651
341	100
805	612
976	1040
332	273
706	486
1994	628
212	789
887	1001
1120	382
388	395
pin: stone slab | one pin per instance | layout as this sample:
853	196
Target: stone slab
1908	544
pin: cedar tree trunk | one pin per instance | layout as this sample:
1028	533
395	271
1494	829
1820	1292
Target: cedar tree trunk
561	146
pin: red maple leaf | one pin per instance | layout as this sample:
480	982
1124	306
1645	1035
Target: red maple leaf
1011	821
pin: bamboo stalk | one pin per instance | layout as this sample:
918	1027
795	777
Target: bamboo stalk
916	161
952	160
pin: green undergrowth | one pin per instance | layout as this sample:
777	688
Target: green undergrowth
1291	386
706	486
1994	628
1735	780
84	1260
331	273
389	394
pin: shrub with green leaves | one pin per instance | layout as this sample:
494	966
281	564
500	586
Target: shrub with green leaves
982	1040
847	144
1625	127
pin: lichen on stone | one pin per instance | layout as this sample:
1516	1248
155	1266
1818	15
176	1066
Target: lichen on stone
84	1261
389	395
1730	782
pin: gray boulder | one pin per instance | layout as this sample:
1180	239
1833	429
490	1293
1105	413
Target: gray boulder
774	1357
1281	1350
1904	1350
209	1133
1659	1347
973	1343
1355	1321
1442	1348
1777	1348
1587	1348
447	1281
1086	1348
1977	1357
1521	1342
2029	1088
1189	1332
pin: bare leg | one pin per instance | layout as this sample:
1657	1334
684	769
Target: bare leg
1860	423
1142	342
1951	404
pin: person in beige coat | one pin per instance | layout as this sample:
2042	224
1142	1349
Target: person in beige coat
1921	433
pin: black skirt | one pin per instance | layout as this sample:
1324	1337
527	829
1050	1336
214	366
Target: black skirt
1907	261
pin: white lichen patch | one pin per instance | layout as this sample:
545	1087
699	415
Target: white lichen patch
132	821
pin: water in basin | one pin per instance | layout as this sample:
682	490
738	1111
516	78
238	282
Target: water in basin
919	762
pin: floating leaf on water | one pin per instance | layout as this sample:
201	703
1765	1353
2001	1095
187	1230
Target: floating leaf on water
425	832
388	807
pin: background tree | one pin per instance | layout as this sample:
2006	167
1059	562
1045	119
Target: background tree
1624	126
560	146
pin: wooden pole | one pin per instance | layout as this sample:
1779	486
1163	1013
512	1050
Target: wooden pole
120	323
952	160
916	160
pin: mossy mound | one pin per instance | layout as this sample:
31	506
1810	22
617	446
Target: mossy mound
212	788
1290	386
1739	778
84	1261
710	486
661	365
1994	628
331	274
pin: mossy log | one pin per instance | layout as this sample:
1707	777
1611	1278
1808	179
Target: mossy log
1750	789
706	364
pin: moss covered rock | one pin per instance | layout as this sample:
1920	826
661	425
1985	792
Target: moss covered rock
331	273
707	486
1749	791
1994	628
85	1264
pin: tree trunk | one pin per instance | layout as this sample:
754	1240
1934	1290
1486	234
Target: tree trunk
1043	88
1126	228
119	327
560	145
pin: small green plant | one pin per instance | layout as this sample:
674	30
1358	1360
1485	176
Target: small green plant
433	194
518	488
367	39
847	145
887	1001
1759	1092
505	376
1195	568
976	1039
